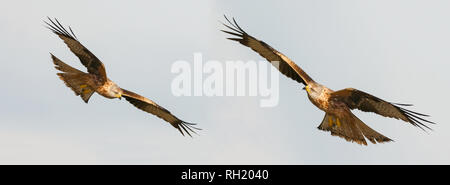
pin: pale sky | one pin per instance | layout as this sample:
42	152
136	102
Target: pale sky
396	50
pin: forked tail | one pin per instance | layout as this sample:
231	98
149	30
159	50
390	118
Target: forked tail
351	129
75	79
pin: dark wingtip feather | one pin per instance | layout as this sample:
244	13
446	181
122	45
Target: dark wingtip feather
414	118
235	39
61	27
57	28
237	25
403	104
234	26
412	112
179	129
72	32
232	33
188	128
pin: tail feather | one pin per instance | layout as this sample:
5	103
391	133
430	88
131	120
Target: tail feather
372	135
351	129
74	79
77	82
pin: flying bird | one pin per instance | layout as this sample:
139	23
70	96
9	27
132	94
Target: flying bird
95	80
337	105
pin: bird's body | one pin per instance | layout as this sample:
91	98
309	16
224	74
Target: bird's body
319	95
337	105
96	81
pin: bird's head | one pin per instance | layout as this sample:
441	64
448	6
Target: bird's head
313	89
116	91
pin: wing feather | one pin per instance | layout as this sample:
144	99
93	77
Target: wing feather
356	99
151	107
285	66
89	60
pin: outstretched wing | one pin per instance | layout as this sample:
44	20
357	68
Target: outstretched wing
89	60
286	66
151	107
356	99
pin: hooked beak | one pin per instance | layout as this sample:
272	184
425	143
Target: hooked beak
306	88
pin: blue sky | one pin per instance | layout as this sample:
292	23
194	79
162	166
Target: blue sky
396	50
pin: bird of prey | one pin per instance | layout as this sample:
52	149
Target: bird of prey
337	105
86	84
